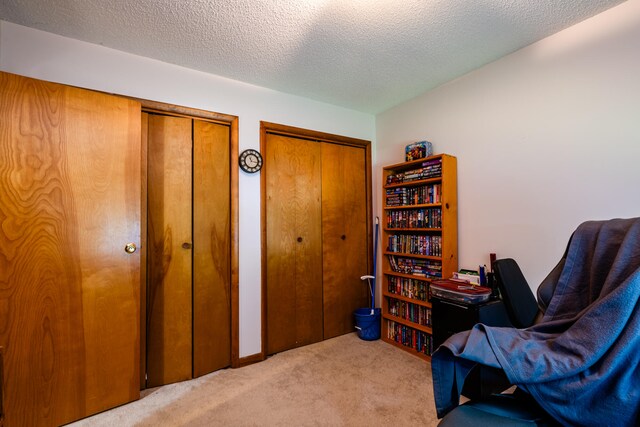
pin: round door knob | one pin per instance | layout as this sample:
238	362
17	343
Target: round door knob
299	239
130	248
186	245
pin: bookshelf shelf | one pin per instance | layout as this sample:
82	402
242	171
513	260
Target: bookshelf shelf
413	164
404	254
420	215
409	323
414	183
405	275
423	205
413	230
406	299
421	355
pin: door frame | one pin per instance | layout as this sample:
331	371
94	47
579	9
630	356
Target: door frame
231	121
316	136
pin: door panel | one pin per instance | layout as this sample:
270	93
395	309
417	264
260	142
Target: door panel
293	243
143	252
69	293
212	248
344	236
169	256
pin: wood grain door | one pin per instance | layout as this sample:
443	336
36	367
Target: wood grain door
189	257
344	236
169	255
69	293
293	242
211	248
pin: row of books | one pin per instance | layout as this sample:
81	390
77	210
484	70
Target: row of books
410	288
417	267
415	218
429	169
413	312
415	244
407	196
409	337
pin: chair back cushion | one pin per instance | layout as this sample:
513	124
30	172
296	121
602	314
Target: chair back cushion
517	295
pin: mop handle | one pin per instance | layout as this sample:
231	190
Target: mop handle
375	258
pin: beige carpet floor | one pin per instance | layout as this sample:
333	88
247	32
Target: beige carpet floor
343	381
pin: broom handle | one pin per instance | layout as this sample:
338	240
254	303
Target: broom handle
375	263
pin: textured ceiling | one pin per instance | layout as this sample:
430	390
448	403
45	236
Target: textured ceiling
367	55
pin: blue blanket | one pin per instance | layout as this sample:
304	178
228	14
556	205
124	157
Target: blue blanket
581	363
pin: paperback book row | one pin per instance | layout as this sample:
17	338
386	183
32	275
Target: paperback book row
409	337
413	312
410	288
415	218
417	267
429	169
407	196
415	244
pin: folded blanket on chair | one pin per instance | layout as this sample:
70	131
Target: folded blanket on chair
581	363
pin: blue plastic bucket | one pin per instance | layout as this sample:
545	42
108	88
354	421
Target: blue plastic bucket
367	324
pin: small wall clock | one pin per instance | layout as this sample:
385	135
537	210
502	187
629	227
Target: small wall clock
250	161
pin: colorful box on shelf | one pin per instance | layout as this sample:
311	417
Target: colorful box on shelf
454	290
418	150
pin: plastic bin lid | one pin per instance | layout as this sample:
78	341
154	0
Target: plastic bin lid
460	287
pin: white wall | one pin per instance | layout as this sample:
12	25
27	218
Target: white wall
50	57
546	138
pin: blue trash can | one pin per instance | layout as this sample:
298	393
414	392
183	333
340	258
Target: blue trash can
367	324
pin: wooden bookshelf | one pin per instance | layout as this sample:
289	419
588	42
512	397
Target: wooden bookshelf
420	244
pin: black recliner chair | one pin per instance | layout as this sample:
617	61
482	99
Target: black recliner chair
515	408
580	360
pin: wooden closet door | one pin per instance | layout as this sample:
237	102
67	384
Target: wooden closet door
211	248
169	255
69	293
293	242
344	236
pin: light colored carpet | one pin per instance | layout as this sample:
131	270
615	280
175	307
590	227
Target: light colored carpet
343	381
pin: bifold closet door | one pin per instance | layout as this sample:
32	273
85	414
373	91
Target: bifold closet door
69	292
189	256
169	298
293	242
344	236
211	248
